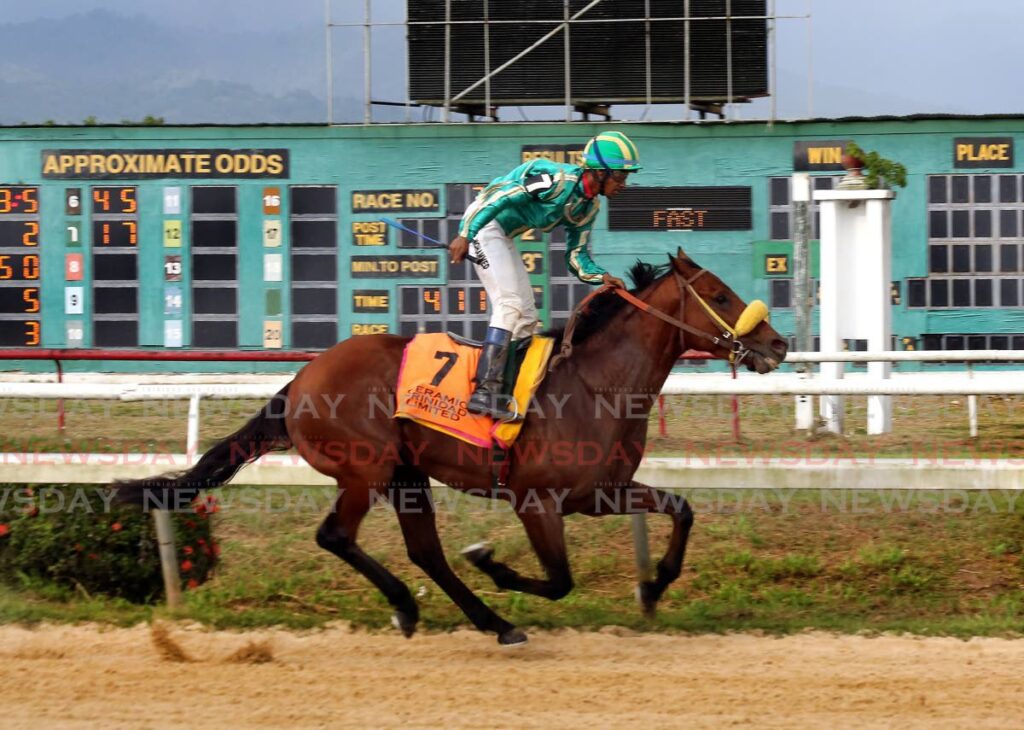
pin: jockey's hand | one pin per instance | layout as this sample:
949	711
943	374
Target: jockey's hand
458	249
614	281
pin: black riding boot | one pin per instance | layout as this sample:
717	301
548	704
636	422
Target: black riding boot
488	398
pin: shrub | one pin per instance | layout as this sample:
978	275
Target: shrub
76	537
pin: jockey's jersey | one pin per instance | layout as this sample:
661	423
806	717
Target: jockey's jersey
540	195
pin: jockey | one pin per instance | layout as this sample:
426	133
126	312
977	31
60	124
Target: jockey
536	195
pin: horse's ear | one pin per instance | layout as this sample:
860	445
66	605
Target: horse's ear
680	261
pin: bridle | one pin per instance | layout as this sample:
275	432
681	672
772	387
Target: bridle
730	337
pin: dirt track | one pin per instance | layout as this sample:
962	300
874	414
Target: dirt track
84	677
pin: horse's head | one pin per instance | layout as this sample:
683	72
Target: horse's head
730	327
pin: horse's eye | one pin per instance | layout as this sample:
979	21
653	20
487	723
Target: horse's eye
722	299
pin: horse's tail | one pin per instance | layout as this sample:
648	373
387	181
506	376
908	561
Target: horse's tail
264	433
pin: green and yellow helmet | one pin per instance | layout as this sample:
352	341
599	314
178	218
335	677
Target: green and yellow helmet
611	151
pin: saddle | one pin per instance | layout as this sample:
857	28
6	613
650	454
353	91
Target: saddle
435	381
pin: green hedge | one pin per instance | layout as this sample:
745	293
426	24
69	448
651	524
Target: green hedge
76	536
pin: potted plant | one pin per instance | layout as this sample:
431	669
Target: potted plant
878	173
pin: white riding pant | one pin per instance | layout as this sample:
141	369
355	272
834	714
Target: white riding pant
509	294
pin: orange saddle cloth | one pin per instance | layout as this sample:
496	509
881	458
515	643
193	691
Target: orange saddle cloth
435	382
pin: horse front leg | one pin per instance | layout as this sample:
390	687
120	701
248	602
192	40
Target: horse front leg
545	528
415	509
637	497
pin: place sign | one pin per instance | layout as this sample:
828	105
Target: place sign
983	152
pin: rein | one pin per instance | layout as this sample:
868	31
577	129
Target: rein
753	315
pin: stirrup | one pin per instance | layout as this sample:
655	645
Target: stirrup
498	408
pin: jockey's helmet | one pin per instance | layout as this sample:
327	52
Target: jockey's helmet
611	151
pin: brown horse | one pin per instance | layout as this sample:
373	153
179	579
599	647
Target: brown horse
603	392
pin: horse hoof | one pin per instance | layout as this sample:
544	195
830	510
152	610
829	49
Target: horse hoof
648	603
512	637
404	623
478	553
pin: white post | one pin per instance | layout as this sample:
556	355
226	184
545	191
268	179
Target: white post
801	196
192	435
168	557
856	270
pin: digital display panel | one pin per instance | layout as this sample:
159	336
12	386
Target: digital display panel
15	233
19	267
19	300
16	200
681	209
20	333
115	201
115	233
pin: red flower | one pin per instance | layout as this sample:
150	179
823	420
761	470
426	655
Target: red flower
201	541
93	556
192	583
78	547
4	530
200	509
32	511
186	565
190	524
187	550
116	527
216	549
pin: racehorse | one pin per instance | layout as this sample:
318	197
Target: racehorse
613	352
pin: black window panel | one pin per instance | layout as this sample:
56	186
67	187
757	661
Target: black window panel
314	201
1007	188
216	334
781	293
558	265
538	298
115	334
410	300
110	300
431	227
983	224
478	329
931	342
937	224
939	292
314	335
407	329
983	258
916	294
1007	224
579	293
1008	257
214	267
983	292
961	189
954	342
557	235
314	234
780	190
457	296
961	258
823	183
477	297
961	224
1009	293
560	297
462	271
214	300
321	267
937	189
213	199
999	342
1018	342
457	328
432	325
961	292
938	259
977	342
314	301
215	233
780	226
407	239
982	189
117	267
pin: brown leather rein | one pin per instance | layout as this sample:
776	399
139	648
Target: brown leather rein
737	351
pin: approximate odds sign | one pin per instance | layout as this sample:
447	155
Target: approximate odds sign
983	152
681	209
99	164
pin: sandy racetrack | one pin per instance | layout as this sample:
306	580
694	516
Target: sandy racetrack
85	677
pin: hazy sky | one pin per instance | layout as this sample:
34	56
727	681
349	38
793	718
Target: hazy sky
866	56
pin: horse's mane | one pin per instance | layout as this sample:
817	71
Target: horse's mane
602	308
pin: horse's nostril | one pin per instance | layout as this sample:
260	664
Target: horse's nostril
780	347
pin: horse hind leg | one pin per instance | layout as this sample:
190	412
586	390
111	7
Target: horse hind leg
337	534
410	491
